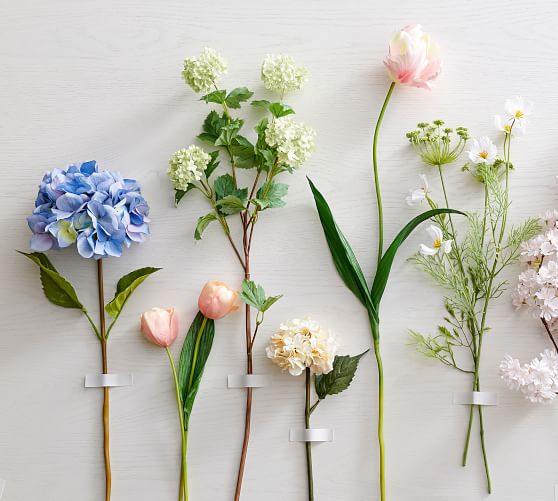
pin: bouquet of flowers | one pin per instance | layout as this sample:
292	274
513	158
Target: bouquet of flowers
101	213
280	145
469	268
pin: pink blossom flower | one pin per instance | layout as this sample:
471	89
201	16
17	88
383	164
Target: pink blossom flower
160	326
217	300
413	58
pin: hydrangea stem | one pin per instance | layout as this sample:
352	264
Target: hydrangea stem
307	411
376	176
103	333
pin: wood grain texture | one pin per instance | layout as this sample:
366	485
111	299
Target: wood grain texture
101	79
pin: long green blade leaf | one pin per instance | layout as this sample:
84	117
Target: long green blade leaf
343	256
384	268
193	363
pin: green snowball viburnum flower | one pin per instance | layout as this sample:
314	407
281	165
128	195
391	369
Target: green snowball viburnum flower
293	140
187	166
204	71
281	74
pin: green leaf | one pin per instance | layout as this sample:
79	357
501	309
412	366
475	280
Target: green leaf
55	287
384	267
340	378
124	289
272	197
217	96
276	109
230	204
244	152
203	223
343	256
212	165
228	133
237	96
224	185
193	358
179	194
254	295
212	127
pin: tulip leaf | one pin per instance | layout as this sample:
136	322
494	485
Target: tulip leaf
55	287
124	289
340	378
343	256
384	267
193	357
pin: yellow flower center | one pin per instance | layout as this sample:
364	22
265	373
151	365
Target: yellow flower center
437	244
483	154
519	114
507	128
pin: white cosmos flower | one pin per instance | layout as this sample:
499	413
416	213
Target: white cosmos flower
518	109
438	243
415	197
506	127
482	150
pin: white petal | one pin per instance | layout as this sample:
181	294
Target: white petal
434	232
427	251
446	246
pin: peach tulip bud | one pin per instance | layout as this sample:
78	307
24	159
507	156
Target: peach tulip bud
160	326
413	58
217	300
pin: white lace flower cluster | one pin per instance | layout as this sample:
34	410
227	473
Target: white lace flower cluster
281	74
187	166
204	71
537	380
301	344
293	140
538	284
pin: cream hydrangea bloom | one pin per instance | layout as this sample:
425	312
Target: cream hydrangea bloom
204	71
301	344
281	74
293	140
187	166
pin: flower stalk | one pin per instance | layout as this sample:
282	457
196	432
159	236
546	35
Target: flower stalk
307	411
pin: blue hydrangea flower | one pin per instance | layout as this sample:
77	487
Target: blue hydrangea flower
99	211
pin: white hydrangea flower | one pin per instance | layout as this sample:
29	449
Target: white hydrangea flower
293	140
281	74
187	166
301	344
537	380
204	71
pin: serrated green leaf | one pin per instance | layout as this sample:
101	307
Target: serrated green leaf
223	186
343	256
217	96
261	103
384	267
213	163
279	110
271	195
230	204
237	96
124	289
340	378
252	294
228	133
193	358
244	152
203	223
180	194
55	287
212	126
269	302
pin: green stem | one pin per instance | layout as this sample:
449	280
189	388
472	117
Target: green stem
307	411
183	494
376	336
376	177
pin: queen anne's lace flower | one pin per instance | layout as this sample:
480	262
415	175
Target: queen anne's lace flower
537	380
293	140
187	166
99	211
301	344
204	71
281	74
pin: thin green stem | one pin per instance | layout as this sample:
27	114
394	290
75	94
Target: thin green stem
376	335
376	176
307	412
183	494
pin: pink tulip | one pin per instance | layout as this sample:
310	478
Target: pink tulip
217	300
160	326
413	58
